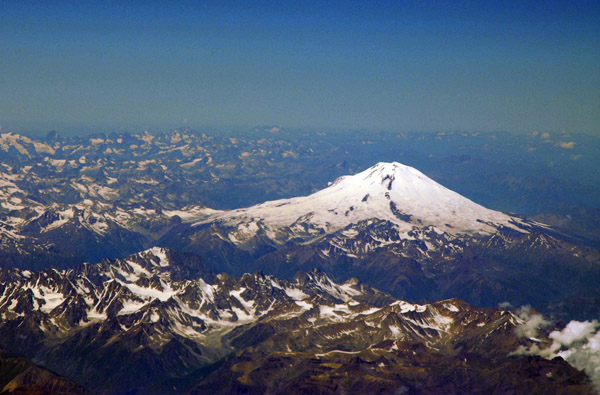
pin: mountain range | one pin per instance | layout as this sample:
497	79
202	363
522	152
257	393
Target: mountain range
166	316
529	174
390	226
381	281
393	227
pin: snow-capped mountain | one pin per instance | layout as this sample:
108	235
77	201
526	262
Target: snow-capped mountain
165	315
394	228
63	236
390	192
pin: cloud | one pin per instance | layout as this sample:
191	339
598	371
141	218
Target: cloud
578	343
569	145
534	133
532	322
575	331
545	135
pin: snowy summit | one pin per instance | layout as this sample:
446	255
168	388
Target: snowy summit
387	191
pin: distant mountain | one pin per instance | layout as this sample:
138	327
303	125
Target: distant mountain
66	236
389	192
530	175
165	316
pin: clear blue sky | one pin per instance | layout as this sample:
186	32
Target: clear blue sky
395	65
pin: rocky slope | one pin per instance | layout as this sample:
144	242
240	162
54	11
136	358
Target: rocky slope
21	376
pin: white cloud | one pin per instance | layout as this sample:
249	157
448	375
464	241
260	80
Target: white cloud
578	343
574	331
581	341
532	322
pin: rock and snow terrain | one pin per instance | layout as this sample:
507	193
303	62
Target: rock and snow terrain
390	226
401	196
164	315
167	314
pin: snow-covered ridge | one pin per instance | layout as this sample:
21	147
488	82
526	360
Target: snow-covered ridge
139	291
132	305
387	191
136	284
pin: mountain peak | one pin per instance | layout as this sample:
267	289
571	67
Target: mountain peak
160	255
392	192
383	174
390	167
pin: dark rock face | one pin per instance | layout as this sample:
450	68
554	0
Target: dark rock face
410	370
21	376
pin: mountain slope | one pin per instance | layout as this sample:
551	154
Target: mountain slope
21	376
390	226
394	228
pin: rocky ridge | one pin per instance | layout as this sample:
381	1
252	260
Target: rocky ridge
171	319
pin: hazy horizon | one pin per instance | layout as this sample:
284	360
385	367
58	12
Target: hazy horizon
84	130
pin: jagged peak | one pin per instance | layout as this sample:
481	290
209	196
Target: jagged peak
156	252
314	275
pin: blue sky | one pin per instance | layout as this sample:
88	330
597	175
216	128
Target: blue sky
394	65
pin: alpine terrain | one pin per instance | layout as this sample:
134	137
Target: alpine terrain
128	253
166	317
